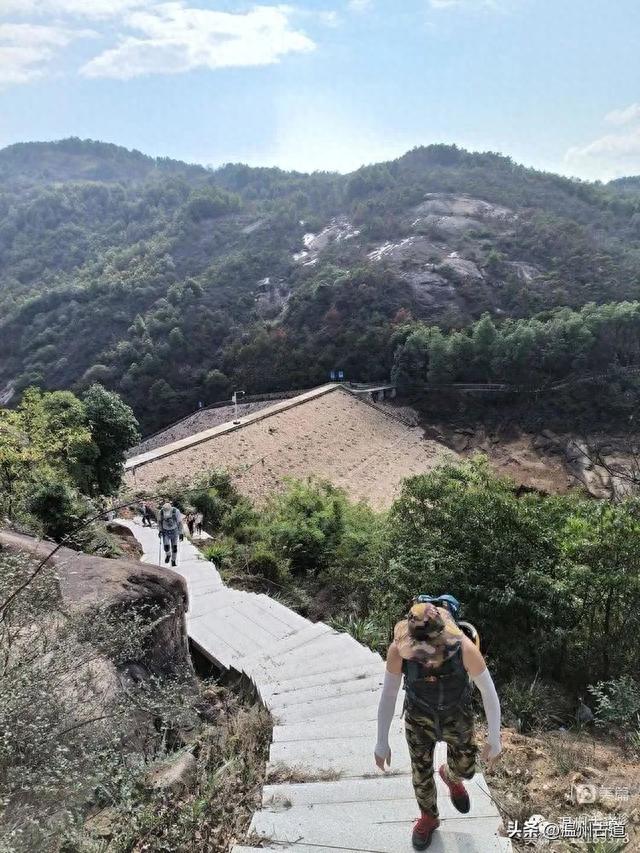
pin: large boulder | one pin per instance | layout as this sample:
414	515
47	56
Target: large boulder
87	581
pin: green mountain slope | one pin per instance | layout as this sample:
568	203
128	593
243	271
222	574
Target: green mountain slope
172	283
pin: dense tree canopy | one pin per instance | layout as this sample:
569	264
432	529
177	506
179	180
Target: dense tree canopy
171	283
57	451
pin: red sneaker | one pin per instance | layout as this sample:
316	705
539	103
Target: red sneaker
458	792
423	830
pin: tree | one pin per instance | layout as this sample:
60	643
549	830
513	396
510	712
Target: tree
484	339
461	530
439	372
55	436
114	429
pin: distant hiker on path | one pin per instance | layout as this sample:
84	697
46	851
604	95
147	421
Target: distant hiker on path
439	664
191	521
199	520
170	528
148	515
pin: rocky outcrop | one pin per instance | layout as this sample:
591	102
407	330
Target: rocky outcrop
607	468
449	204
271	297
523	271
87	581
337	231
174	776
417	260
461	268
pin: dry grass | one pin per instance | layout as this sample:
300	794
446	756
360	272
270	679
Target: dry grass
535	775
214	813
282	773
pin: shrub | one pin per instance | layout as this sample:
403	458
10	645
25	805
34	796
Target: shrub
617	701
57	506
459	529
263	561
535	705
220	553
367	631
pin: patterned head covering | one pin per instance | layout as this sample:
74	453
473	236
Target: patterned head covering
428	635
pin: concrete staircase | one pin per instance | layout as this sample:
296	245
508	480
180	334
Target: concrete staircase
322	688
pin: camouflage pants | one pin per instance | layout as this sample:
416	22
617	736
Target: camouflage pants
423	730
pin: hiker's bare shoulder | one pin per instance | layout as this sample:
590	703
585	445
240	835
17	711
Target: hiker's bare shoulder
472	658
394	661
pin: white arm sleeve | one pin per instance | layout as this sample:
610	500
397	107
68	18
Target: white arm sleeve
491	704
386	710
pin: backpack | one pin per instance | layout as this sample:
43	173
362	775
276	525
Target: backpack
169	519
450	603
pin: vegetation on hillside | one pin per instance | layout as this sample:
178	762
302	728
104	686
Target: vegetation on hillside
60	456
552	361
552	583
89	744
145	275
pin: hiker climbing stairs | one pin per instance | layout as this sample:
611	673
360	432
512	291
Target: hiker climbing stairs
322	688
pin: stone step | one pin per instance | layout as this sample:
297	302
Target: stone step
290	617
327	678
503	846
377	786
323	692
211	645
236	628
356	828
361	715
330	643
331	709
296	848
255	609
326	664
382	795
262	626
274	654
206	576
208	603
204	589
334	729
348	757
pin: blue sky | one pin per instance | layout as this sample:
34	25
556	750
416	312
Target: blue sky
329	84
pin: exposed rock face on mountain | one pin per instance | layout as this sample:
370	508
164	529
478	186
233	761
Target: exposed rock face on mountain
443	255
606	467
463	207
337	231
271	296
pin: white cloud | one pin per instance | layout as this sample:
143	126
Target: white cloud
359	5
26	49
624	116
80	8
611	156
175	38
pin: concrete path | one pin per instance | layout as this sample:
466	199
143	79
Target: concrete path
324	792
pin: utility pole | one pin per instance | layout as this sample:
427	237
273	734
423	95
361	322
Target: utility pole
234	400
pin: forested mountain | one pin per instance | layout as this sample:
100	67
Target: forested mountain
172	283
